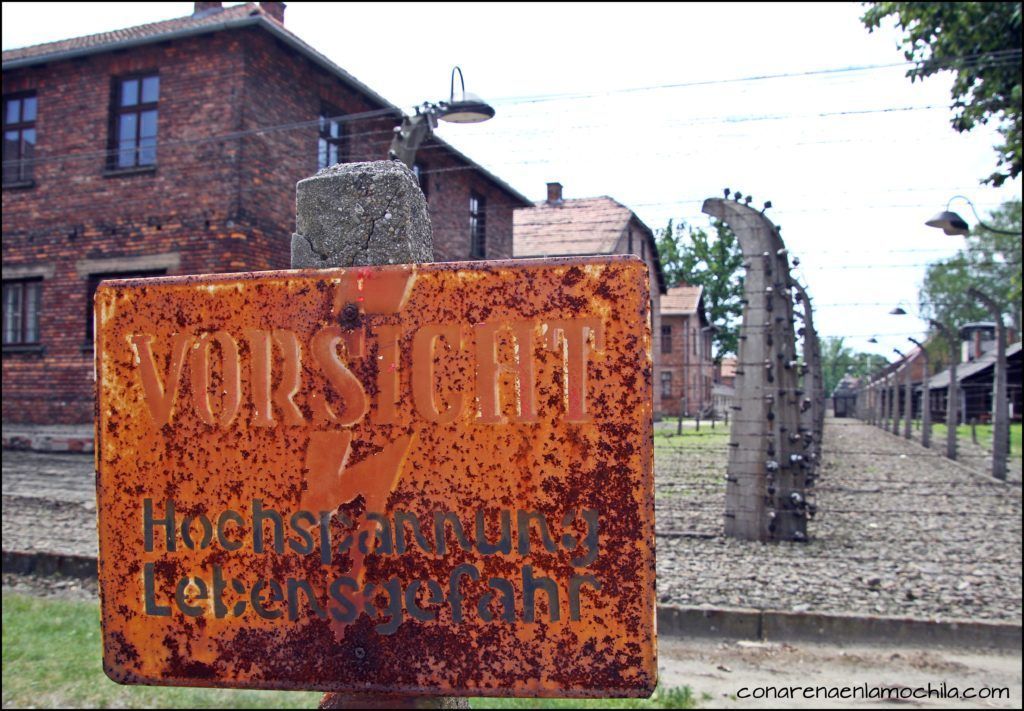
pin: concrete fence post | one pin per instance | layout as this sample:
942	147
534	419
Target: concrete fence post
813	418
926	400
1000	416
952	390
767	472
362	214
908	397
894	400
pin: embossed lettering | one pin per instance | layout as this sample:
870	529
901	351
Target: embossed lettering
161	391
201	377
424	378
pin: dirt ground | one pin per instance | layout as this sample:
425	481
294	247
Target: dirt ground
718	671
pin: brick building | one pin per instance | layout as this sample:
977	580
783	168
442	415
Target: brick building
687	370
557	227
174	148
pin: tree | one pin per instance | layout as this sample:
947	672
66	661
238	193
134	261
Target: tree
689	255
981	43
837	360
989	261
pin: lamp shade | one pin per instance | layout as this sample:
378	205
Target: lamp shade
950	223
470	109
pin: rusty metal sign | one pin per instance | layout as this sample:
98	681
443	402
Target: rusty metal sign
432	479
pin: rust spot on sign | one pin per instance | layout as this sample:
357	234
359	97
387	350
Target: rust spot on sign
431	479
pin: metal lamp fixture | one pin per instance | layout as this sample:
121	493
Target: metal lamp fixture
417	128
952	224
469	109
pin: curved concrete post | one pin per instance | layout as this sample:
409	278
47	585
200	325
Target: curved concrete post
1000	416
926	400
767	473
894	399
908	400
952	390
812	418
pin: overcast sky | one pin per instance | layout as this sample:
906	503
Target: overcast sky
635	101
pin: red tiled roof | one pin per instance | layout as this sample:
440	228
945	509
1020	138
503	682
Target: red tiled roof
681	300
584	226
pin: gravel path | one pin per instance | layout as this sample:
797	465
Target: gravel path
899	531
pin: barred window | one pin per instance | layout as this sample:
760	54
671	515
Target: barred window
332	145
135	114
666	339
21	311
19	137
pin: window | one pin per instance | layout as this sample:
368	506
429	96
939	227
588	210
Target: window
477	226
332	146
666	384
19	138
666	339
21	311
135	109
94	281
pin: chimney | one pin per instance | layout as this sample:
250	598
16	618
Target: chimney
274	10
206	8
977	344
554	193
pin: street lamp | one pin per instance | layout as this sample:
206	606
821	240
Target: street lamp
952	224
415	129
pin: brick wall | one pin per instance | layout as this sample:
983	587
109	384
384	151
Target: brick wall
642	245
79	218
208	206
691	367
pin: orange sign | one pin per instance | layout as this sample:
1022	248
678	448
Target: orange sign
432	479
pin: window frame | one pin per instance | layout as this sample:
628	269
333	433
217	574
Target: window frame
118	111
21	163
664	381
477	226
23	316
666	338
327	120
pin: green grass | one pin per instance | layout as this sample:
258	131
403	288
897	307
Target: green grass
963	433
51	659
707	438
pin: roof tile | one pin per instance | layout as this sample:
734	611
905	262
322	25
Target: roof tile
140	32
583	226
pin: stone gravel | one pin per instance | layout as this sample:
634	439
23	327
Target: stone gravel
899	531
